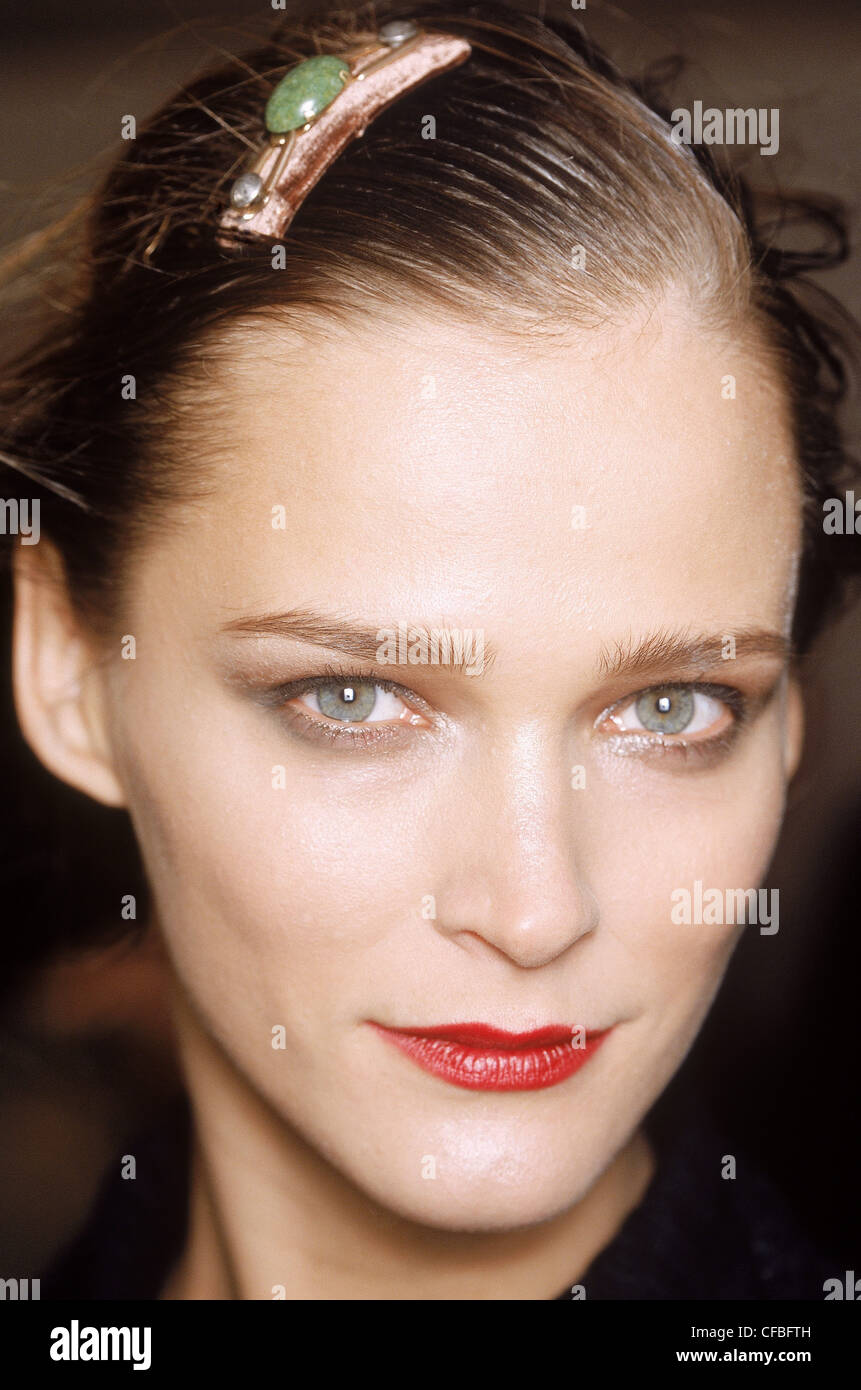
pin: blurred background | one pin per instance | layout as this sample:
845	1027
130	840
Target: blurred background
84	1042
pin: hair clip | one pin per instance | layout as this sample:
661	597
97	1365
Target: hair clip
319	107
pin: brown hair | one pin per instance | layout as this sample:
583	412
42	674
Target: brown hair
540	146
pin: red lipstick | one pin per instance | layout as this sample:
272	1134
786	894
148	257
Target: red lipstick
482	1058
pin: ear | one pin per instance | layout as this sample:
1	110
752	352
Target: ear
59	678
794	734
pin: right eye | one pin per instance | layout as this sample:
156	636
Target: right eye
355	702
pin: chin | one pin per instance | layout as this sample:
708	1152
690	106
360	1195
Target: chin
487	1207
484	1193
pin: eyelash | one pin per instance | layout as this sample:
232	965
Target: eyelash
357	735
703	750
384	733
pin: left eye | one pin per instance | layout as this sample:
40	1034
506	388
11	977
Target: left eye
355	702
672	710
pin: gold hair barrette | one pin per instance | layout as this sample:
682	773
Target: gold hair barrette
319	107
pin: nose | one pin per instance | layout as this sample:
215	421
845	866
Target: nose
514	881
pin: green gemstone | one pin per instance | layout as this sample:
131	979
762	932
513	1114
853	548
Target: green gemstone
305	92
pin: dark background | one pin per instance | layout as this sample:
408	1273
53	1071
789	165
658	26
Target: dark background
83	1042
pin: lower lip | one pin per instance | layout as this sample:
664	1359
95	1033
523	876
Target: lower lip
486	1066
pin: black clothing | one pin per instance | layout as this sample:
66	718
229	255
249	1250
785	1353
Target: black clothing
695	1235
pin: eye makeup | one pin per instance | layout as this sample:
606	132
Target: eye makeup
336	686
700	749
360	734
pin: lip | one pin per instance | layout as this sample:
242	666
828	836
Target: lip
483	1058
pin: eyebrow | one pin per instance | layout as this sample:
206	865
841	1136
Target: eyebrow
661	649
652	654
351	638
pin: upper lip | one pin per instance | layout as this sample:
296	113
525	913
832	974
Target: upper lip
485	1035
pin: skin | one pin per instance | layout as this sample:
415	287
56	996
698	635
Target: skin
429	470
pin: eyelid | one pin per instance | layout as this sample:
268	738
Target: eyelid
674	752
333	674
350	734
730	696
643	742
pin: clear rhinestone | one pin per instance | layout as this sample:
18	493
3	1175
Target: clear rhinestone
398	31
245	190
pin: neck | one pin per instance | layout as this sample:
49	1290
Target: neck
268	1213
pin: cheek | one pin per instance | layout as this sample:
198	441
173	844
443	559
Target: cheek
300	906
284	879
307	889
668	833
337	853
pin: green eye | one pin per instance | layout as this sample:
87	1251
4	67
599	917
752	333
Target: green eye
352	702
665	711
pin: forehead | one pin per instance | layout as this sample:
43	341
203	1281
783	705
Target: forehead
431	469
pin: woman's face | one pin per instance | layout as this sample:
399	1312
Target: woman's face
492	842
